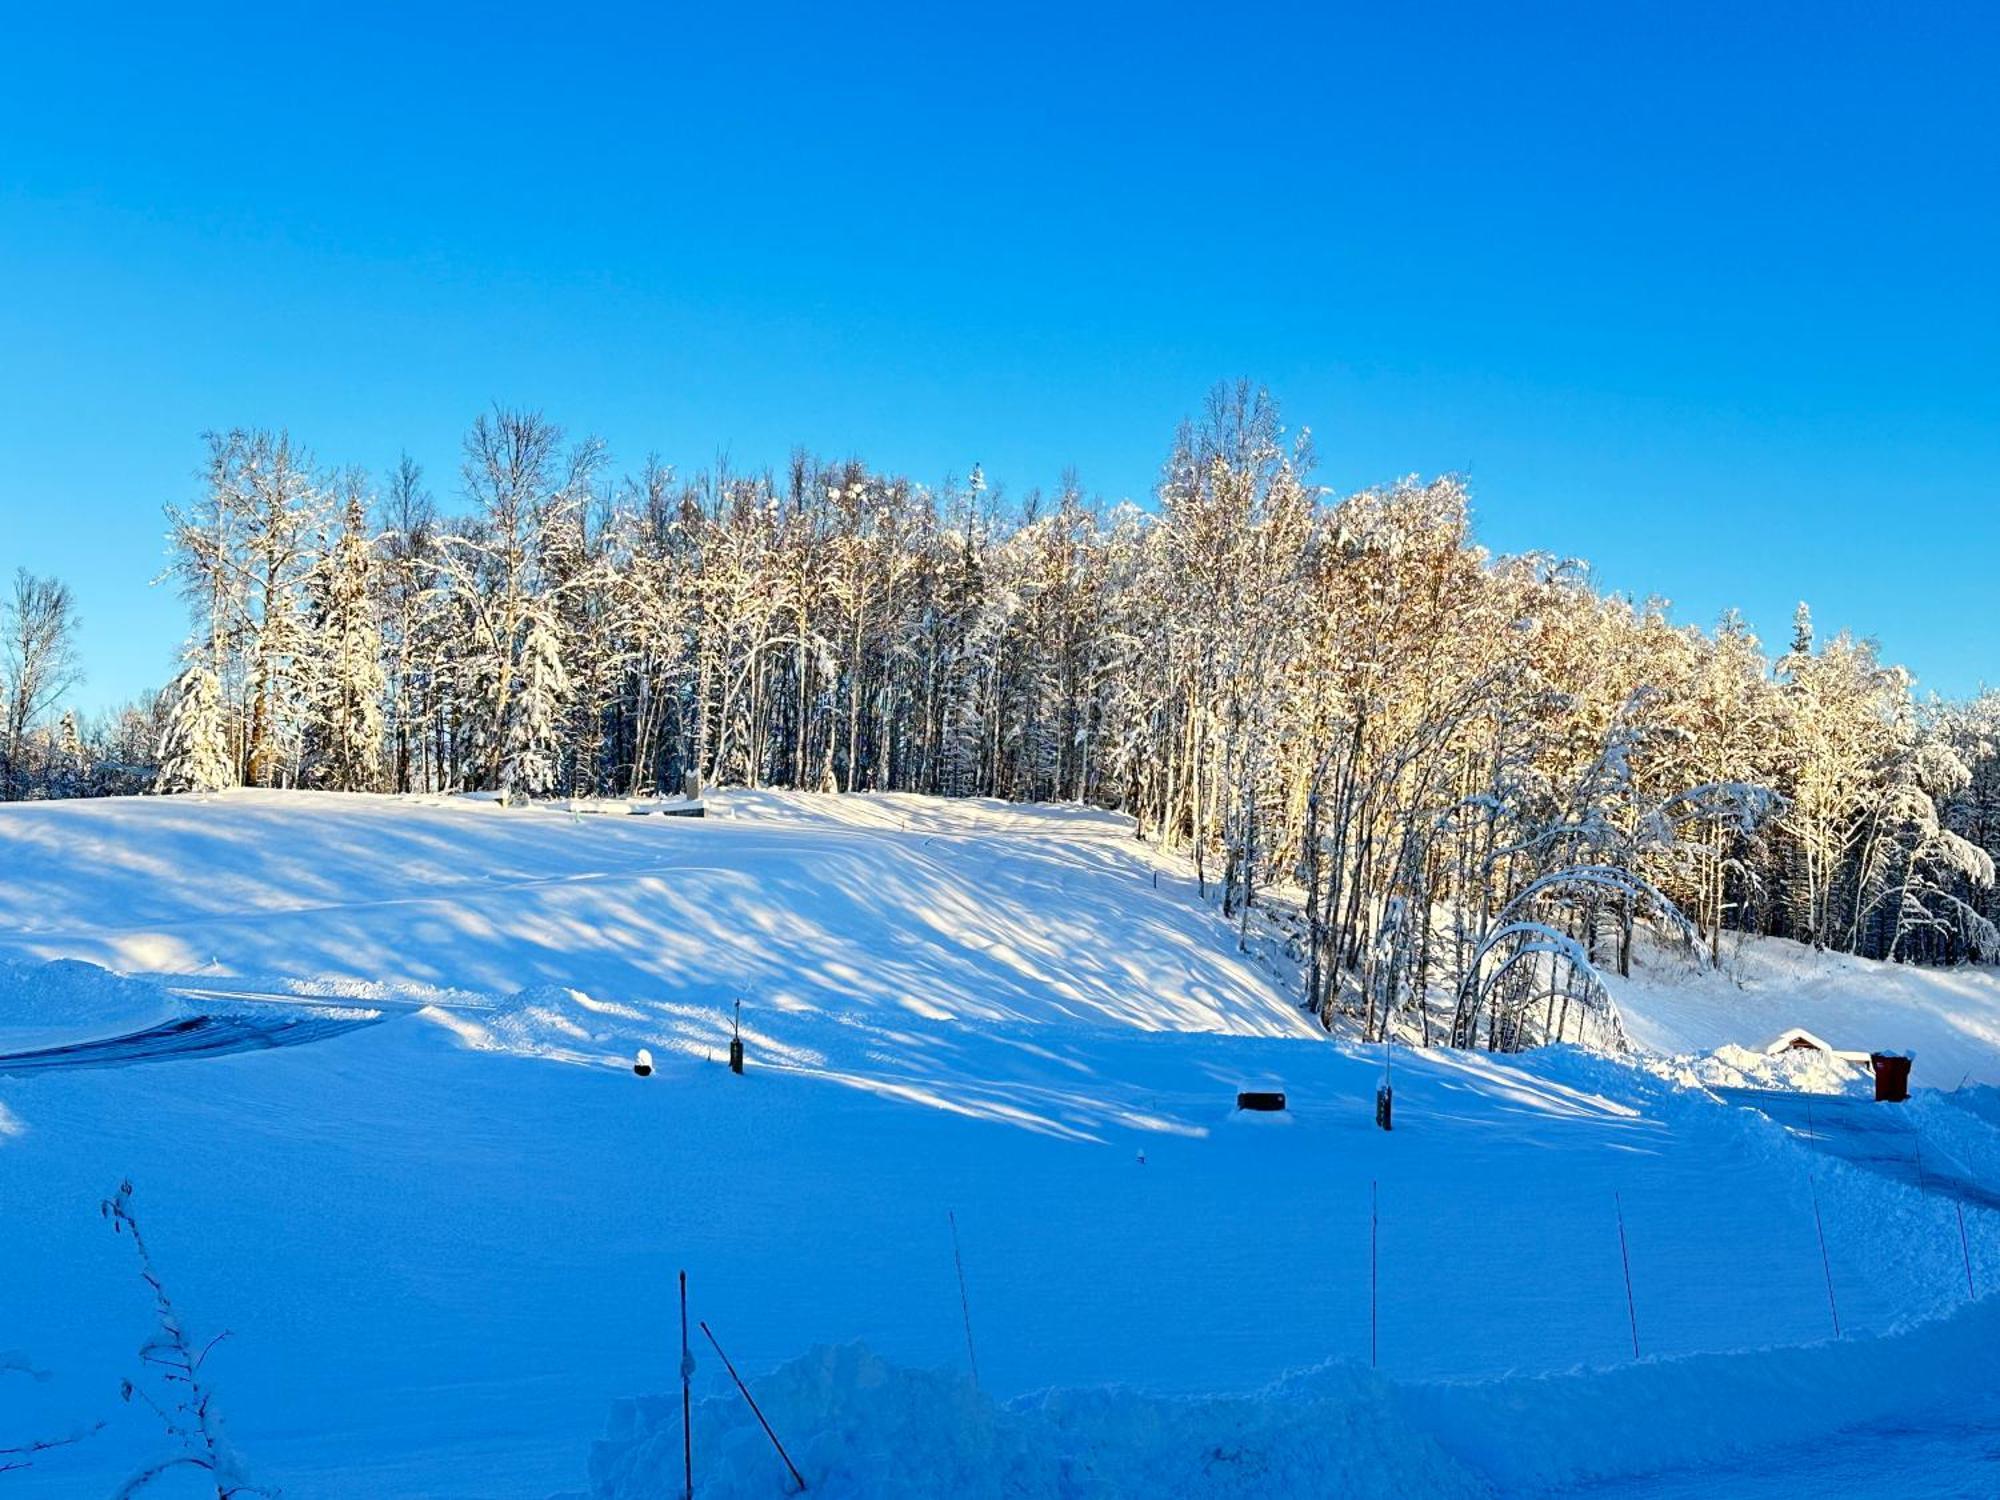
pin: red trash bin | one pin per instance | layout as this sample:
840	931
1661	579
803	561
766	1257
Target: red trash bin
1892	1076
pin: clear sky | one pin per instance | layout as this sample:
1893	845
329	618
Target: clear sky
1706	294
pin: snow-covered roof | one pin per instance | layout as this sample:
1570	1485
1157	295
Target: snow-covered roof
1798	1036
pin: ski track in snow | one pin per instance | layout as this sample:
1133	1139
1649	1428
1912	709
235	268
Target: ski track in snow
444	1243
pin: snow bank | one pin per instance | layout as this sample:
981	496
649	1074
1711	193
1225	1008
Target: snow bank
55	1004
858	1426
1804	1070
862	1428
1537	1432
1960	1133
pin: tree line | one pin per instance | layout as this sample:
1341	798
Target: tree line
44	753
1454	782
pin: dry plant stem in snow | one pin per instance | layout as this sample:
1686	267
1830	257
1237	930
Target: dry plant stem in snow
186	1402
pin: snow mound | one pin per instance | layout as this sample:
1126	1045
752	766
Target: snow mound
862	1428
1804	1070
549	1016
56	1004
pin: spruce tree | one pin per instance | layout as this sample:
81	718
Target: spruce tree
193	754
531	764
344	722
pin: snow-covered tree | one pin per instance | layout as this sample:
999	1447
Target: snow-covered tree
532	765
345	680
194	754
1370	736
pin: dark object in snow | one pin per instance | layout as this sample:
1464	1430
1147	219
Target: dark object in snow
691	786
964	1306
687	1395
736	1042
1892	1076
690	810
756	1410
1385	1103
1268	1101
643	1063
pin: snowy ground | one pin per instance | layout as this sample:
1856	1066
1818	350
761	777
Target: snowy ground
445	1244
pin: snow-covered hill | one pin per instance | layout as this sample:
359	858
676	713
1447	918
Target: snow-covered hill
445	1243
881	908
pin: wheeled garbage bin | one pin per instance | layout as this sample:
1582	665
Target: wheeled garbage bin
1892	1075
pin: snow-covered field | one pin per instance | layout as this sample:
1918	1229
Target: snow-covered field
445	1244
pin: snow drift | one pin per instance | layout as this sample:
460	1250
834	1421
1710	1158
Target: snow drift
55	1004
861	1428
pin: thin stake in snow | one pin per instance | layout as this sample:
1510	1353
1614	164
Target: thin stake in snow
1825	1264
687	1396
1625	1259
1965	1249
757	1411
1819	1227
964	1305
1374	1220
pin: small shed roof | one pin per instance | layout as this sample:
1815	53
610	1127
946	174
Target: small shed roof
1796	1037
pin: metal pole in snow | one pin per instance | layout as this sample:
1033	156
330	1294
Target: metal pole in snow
964	1306
1819	1227
755	1409
1825	1264
1625	1258
1965	1249
687	1399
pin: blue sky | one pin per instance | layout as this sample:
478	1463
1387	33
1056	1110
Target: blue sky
1707	298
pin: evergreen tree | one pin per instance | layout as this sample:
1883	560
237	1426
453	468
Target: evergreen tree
344	734
193	754
531	766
